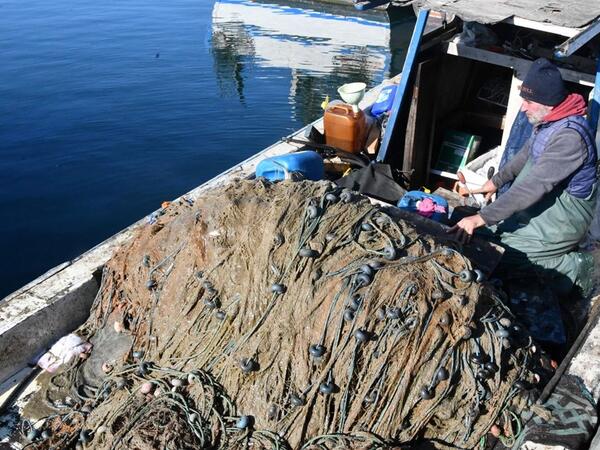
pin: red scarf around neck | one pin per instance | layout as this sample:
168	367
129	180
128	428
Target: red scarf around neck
573	105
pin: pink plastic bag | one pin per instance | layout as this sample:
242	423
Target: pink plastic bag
65	349
427	207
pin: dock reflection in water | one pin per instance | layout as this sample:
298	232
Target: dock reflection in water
322	49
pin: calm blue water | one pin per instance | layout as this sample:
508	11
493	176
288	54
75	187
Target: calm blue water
108	108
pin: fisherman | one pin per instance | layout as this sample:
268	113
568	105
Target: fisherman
543	216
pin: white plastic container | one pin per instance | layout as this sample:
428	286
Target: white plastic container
476	171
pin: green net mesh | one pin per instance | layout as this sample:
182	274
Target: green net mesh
289	315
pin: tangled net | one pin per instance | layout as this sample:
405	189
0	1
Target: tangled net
289	315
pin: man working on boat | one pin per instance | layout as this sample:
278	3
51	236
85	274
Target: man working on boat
547	210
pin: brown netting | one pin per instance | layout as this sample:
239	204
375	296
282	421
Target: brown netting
290	315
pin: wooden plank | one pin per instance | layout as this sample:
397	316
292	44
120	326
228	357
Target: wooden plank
409	157
542	26
419	121
577	63
453	198
514	106
443	173
574	43
519	64
432	128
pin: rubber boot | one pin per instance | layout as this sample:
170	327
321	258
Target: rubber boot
585	281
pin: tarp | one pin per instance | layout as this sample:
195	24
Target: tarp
567	13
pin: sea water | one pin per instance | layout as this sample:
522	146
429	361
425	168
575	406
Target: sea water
109	108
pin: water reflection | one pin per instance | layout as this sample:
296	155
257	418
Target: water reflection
96	130
322	49
232	47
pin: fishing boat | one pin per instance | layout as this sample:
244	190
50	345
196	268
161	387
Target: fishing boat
462	71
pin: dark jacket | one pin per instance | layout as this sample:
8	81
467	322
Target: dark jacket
563	154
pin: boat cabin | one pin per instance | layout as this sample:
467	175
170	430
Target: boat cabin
463	72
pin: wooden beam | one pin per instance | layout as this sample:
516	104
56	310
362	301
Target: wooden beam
577	63
519	64
420	118
574	43
514	105
542	26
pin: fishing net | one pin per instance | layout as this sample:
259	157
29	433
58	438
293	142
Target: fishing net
289	315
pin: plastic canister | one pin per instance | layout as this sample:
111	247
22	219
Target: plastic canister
384	101
345	129
308	163
434	207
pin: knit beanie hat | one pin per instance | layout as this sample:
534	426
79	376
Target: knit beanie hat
543	84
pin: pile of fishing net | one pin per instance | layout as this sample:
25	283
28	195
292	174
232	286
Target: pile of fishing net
290	315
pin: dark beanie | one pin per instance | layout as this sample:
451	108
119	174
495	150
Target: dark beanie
543	84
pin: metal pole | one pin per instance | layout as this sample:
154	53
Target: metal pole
407	69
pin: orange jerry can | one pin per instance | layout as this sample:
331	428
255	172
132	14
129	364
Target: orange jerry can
345	129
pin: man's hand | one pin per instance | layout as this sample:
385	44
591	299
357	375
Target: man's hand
465	228
488	189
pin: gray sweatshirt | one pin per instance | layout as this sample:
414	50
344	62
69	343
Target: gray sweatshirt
565	153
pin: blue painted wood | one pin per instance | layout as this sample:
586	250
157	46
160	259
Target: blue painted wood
407	69
369	4
595	106
574	43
